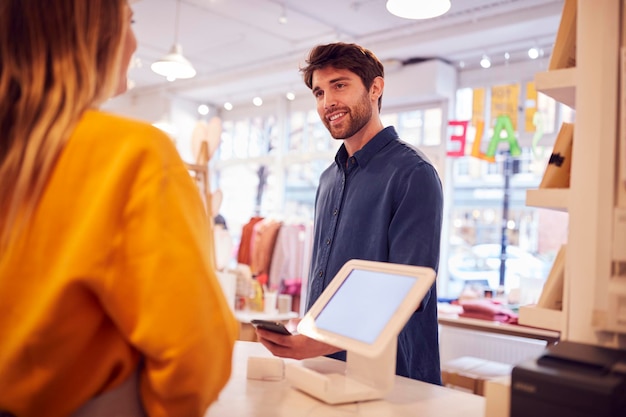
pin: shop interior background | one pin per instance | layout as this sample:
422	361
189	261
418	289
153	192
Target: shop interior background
271	155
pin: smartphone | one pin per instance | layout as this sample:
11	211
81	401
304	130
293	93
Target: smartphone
273	326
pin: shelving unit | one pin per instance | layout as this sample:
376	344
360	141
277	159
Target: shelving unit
552	198
592	88
542	318
558	84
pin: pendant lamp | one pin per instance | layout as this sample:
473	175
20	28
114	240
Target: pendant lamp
418	9
174	65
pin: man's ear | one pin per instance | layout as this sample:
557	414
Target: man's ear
376	90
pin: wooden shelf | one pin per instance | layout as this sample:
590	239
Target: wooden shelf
558	84
541	318
552	198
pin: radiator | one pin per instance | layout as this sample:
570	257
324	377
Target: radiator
455	342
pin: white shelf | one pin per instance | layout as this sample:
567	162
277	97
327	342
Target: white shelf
552	198
541	318
558	84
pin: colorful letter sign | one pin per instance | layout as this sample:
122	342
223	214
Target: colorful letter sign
503	125
502	132
461	139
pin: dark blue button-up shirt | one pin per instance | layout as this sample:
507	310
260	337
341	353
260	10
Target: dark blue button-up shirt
383	204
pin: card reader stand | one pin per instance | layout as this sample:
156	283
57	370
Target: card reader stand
366	378
362	311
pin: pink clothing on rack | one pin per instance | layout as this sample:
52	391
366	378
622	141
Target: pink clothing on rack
262	245
290	260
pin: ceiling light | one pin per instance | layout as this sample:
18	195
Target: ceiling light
203	109
507	56
174	65
533	53
418	9
485	62
282	19
257	101
228	106
290	96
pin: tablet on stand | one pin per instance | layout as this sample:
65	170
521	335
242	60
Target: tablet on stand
362	311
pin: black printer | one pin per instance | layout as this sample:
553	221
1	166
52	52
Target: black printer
571	380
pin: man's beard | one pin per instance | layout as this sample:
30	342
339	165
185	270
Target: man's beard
354	121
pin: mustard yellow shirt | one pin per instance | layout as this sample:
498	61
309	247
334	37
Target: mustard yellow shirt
114	269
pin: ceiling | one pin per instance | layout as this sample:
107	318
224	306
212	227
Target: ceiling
240	49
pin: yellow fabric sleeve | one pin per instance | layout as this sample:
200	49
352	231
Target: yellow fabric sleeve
114	271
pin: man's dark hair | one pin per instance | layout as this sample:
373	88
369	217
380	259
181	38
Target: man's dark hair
348	56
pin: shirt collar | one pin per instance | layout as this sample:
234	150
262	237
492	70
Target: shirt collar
371	148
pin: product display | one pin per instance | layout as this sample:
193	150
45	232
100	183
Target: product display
564	52
552	293
557	174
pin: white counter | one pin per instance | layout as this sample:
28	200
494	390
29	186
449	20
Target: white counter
252	398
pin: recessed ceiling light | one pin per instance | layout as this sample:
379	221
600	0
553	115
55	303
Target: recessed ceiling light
282	19
485	62
203	109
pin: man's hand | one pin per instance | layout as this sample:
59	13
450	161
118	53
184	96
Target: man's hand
296	346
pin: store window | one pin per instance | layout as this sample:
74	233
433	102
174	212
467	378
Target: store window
248	138
489	192
261	174
432	127
307	134
420	127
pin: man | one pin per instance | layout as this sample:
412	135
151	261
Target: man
380	200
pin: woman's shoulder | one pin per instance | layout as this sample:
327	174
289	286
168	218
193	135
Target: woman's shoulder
102	130
96	122
106	137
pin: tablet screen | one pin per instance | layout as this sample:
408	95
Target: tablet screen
364	304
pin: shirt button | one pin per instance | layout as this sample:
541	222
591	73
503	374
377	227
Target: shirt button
335	211
320	273
328	241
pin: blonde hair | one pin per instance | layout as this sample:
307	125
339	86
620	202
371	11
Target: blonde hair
57	59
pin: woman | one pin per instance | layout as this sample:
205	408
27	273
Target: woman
105	266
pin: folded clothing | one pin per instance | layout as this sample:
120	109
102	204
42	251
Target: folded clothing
486	309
